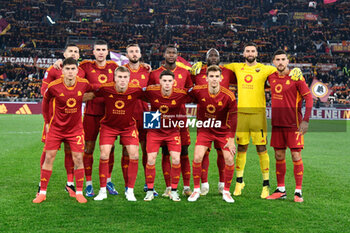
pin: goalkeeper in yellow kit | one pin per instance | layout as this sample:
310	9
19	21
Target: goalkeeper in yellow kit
251	118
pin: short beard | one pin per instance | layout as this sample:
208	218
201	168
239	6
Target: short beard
249	60
134	61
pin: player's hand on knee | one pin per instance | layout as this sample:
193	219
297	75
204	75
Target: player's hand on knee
231	145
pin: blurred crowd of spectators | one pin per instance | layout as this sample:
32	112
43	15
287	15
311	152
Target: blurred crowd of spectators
194	26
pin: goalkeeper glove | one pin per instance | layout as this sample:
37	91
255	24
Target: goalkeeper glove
296	74
196	68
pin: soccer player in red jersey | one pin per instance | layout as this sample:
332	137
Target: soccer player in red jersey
99	71
216	105
167	101
52	74
182	80
139	75
65	124
228	77
120	99
288	125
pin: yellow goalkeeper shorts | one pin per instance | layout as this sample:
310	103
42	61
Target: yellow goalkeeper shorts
251	125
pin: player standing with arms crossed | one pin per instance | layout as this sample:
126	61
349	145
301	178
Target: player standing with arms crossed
288	126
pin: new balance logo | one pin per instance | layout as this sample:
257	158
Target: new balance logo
24	110
151	120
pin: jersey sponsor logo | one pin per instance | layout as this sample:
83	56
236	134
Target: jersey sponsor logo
119	104
135	82
129	97
151	120
79	93
173	102
102	78
220	103
180	76
288	82
278	88
71	102
211	108
24	110
143	77
110	71
163	109
61	94
248	78
110	96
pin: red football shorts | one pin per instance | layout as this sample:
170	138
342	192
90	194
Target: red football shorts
54	140
185	137
205	138
155	139
128	136
91	125
43	135
283	137
142	131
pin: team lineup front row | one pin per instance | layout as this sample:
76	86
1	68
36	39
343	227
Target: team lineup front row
116	97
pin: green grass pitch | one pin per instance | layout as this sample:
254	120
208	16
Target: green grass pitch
326	191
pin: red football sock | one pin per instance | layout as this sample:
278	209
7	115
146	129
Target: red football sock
196	170
298	173
79	179
42	158
150	175
132	172
175	175
144	162
205	167
44	179
166	166
125	166
103	172
228	176
69	165
88	160
221	165
186	169
280	172
111	163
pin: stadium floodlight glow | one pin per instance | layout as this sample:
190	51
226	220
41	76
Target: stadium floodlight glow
50	20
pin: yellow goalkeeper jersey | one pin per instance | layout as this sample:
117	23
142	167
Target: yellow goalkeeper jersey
251	85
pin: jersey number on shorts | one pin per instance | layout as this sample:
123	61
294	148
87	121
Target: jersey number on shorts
178	140
80	139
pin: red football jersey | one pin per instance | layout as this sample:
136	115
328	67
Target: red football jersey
182	77
228	77
120	107
220	107
52	74
168	106
286	100
97	75
67	101
139	77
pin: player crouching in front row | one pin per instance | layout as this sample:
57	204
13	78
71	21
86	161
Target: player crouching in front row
65	125
217	103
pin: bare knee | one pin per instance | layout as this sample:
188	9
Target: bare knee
260	148
242	148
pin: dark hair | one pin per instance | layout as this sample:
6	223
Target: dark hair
69	61
250	44
170	47
121	69
71	45
279	52
213	68
101	42
132	45
166	72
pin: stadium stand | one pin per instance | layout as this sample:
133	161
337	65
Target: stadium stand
313	35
